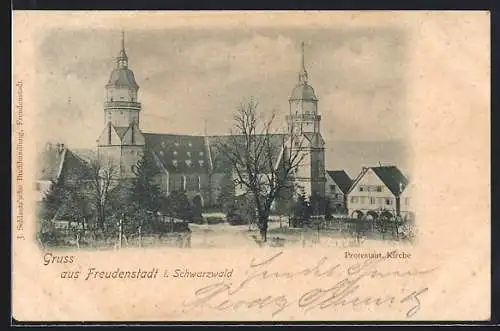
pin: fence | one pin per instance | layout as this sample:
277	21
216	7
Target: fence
385	228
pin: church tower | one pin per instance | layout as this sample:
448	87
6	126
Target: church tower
304	123
121	143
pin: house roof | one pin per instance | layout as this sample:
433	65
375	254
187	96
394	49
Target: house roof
179	153
392	177
49	162
341	178
57	161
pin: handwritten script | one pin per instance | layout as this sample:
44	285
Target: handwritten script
347	287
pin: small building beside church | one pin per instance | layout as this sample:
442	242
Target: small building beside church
338	184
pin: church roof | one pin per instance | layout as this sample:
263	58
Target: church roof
341	178
197	154
121	130
122	77
179	153
303	91
220	162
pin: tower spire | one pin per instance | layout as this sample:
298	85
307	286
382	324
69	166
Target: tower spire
123	40
122	60
303	71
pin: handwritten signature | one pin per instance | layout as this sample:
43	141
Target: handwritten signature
345	291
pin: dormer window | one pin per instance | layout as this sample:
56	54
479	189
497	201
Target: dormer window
174	162
188	162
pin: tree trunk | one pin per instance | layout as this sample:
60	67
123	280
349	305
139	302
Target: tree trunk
263	234
140	236
263	229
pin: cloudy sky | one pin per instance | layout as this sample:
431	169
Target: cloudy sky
189	77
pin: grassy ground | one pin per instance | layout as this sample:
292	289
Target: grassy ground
224	235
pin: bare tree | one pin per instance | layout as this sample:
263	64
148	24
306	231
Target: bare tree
103	174
263	163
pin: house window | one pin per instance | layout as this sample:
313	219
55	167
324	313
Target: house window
354	199
361	188
190	145
201	162
199	183
201	154
37	186
379	188
132	168
388	201
188	162
174	162
175	153
407	201
189	154
372	200
332	188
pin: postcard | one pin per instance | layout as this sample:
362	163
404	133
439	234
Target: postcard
251	166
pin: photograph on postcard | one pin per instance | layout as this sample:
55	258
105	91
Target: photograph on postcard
181	146
303	153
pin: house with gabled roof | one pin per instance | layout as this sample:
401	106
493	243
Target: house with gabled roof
338	184
378	190
57	163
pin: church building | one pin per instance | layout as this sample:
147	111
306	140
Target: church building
191	163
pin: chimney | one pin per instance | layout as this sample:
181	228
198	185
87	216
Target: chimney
60	148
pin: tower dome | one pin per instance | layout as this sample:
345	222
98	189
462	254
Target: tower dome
122	76
303	91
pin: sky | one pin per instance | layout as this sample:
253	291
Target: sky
191	80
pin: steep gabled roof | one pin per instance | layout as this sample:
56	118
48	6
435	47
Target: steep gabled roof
121	130
49	162
56	162
178	153
392	177
341	178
